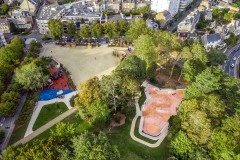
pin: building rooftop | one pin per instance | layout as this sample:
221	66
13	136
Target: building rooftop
213	37
76	9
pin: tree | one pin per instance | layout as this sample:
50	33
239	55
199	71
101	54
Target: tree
63	130
55	27
30	76
132	67
109	86
5	8
144	47
228	17
12	52
216	57
206	82
181	145
137	28
232	40
96	30
89	92
214	106
99	111
83	31
8	103
71	29
192	68
92	147
197	127
5	70
219	144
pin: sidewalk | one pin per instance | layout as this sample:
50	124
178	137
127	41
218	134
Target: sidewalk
39	106
45	127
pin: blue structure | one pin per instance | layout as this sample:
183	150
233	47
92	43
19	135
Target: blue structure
49	94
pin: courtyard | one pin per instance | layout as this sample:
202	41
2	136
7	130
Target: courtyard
83	63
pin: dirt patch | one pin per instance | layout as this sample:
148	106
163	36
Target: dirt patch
164	81
122	119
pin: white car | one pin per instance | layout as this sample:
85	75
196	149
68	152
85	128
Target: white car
234	58
232	65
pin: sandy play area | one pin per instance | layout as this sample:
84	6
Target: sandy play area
83	63
159	107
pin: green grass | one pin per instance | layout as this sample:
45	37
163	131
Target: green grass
120	136
24	117
74	119
49	112
129	149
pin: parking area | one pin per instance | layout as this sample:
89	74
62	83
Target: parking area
83	63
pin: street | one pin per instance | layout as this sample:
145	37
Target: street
184	15
231	64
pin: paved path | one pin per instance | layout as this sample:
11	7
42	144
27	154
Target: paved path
45	127
39	106
10	121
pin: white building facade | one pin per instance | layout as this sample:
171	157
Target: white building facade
172	6
183	4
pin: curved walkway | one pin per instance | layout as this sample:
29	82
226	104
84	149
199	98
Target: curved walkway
138	113
39	106
45	127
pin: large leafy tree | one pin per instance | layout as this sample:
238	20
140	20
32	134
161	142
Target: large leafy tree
144	47
88	146
197	127
71	29
56	28
216	57
8	103
181	145
99	111
83	31
31	76
96	30
192	68
137	28
5	70
12	52
89	92
115	28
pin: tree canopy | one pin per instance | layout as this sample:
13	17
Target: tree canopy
55	27
31	76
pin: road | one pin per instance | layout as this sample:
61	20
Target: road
184	15
9	122
232	63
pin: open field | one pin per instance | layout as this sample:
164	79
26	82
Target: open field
83	63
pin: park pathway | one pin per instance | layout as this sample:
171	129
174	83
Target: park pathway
45	127
39	106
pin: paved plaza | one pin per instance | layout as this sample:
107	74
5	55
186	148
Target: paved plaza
83	63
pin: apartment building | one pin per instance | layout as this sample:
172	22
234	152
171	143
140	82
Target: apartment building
21	19
75	11
172	6
189	23
4	25
183	4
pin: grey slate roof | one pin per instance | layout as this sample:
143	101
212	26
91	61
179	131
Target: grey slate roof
213	37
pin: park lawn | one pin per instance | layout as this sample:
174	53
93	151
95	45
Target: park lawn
74	119
129	149
48	113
